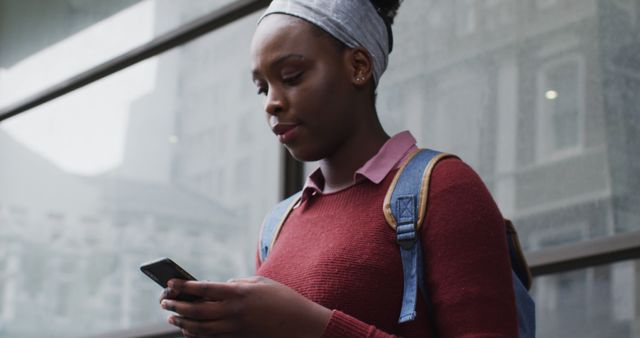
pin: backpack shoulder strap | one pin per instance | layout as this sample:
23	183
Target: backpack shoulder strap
273	223
412	179
518	261
404	209
522	279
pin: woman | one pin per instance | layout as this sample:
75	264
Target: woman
335	270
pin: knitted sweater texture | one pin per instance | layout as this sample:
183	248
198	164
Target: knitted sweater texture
337	250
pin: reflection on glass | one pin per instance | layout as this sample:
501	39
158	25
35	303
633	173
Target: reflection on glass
45	42
591	303
541	99
171	157
562	115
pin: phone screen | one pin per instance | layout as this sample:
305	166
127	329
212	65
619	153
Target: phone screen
164	269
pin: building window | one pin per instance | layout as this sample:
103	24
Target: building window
3	277
456	124
466	18
545	4
560	108
19	216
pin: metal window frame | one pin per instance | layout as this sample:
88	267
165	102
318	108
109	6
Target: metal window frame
178	36
547	261
593	252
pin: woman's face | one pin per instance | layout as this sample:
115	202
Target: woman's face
307	82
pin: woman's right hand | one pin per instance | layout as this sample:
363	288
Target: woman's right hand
249	307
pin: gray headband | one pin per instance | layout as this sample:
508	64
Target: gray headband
356	23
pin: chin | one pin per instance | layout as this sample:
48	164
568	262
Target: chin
303	154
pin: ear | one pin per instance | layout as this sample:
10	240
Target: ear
361	65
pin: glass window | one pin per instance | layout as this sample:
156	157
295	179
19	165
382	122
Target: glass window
560	123
545	4
3	276
543	108
465	13
170	157
592	303
46	42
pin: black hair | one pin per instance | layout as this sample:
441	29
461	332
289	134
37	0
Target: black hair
387	9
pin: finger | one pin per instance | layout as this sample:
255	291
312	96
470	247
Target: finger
207	290
188	334
252	279
168	293
197	310
202	328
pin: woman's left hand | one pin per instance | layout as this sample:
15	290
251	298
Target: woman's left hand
249	307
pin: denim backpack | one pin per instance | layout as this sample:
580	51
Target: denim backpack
404	209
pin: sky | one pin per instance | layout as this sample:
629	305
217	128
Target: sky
82	132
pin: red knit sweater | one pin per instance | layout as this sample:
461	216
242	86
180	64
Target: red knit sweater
337	250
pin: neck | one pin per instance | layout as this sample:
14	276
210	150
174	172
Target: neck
339	168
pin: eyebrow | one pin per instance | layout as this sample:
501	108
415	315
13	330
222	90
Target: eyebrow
280	60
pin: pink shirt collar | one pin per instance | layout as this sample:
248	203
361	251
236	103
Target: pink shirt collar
389	157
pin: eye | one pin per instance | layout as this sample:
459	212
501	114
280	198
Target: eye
292	79
263	91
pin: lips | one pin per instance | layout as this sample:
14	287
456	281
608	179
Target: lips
286	132
282	128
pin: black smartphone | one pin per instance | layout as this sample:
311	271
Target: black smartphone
164	269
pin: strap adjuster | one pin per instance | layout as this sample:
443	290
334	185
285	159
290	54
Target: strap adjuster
406	235
406	218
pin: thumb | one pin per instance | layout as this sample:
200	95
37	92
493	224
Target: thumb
251	280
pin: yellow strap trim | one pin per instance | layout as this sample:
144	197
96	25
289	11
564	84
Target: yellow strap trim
424	190
519	252
386	206
279	227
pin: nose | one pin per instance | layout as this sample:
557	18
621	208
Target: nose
275	102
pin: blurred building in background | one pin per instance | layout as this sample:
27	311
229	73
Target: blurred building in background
538	96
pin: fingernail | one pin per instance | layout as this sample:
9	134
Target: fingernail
172	321
164	304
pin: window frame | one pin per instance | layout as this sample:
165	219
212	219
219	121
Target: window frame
546	151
